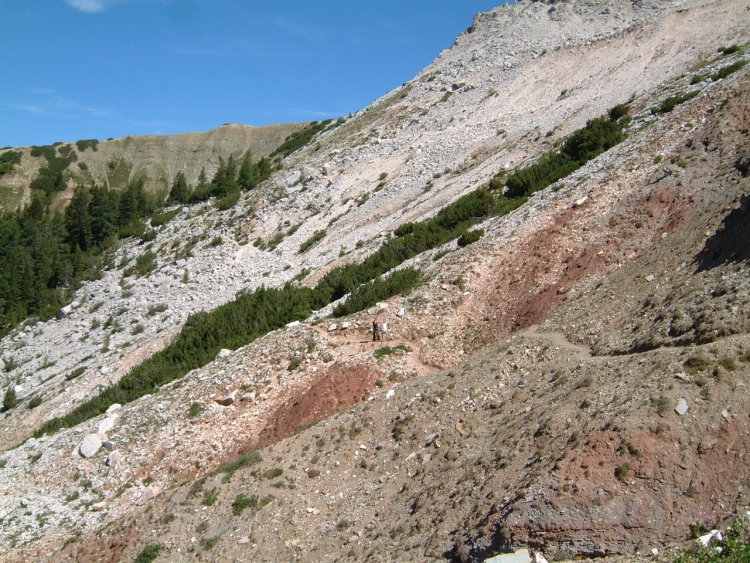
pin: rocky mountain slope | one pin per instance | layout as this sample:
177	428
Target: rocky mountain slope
574	382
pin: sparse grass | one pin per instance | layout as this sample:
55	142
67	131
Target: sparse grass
244	460
195	409
210	497
661	404
156	309
696	364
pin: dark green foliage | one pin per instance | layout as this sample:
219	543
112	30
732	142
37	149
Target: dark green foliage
241	502
228	181
228	201
317	236
253	173
617	112
9	399
297	140
34	402
50	178
7	160
599	135
180	192
149	553
673	101
399	282
470	236
160	218
727	70
75	373
730	50
696	79
86	144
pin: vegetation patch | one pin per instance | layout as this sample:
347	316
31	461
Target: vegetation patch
299	139
672	102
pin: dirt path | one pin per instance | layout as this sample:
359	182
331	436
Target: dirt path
354	341
558	339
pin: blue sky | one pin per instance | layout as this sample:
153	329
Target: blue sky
95	69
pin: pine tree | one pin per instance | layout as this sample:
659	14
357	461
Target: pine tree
180	192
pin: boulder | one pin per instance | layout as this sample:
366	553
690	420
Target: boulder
107	424
224	353
682	407
228	400
90	445
113	459
149	493
520	556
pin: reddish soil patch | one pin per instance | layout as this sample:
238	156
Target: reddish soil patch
339	387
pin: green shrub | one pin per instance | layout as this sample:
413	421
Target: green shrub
149	553
75	373
86	144
161	218
299	139
317	236
696	364
730	50
599	135
228	201
9	399
727	70
216	241
35	402
241	502
470	236
156	309
195	409
244	460
672	102
382	352
733	548
7	160
697	79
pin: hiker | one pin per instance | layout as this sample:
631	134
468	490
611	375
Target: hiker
384	330
376	330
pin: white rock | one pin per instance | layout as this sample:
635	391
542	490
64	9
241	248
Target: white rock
520	556
107	424
90	445
682	407
112	408
224	353
713	534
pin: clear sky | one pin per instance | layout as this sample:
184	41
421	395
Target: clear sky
95	69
